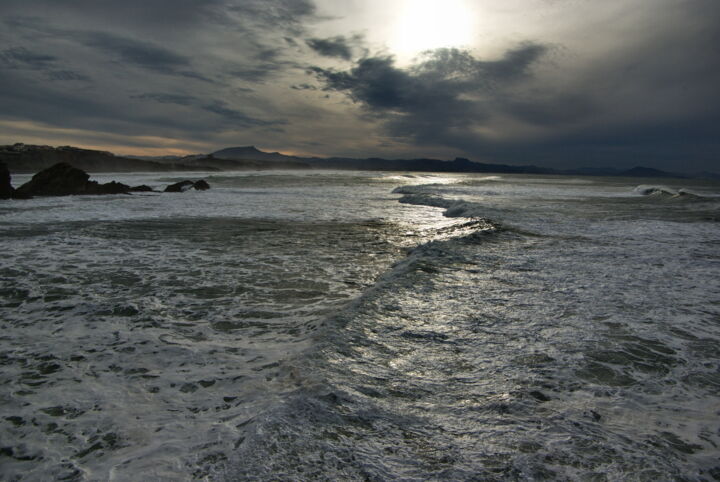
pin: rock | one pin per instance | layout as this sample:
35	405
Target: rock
142	188
62	179
111	187
201	185
59	180
183	186
6	189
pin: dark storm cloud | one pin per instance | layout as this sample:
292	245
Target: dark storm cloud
436	84
641	88
280	14
551	109
217	107
21	57
256	73
339	46
160	16
123	49
654	103
237	117
133	51
67	75
449	90
42	102
193	51
461	65
168	98
303	87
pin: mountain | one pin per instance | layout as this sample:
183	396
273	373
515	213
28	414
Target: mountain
28	158
24	158
239	164
251	153
425	165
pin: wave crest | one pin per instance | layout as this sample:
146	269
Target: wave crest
665	192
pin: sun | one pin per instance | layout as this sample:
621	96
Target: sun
431	24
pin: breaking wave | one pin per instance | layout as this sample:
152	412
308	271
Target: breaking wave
665	192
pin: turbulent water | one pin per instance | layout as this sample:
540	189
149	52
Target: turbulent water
363	326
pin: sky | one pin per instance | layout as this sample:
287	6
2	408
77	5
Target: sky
556	83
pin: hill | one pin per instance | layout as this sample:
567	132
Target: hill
22	158
269	159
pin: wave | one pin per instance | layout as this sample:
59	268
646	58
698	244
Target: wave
331	407
424	195
340	391
459	347
665	192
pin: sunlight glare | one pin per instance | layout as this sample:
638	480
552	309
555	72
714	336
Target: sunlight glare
431	24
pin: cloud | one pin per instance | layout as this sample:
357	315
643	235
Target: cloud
131	51
448	91
140	69
303	86
287	15
143	54
256	73
340	46
640	89
441	78
237	117
653	105
67	75
21	57
214	106
168	98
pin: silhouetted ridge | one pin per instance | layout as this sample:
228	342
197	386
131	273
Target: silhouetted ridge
28	158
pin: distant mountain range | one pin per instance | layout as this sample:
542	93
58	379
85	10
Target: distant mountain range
459	164
22	158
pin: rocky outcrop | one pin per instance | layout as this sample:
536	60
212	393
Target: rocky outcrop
62	179
112	187
6	189
142	188
183	186
201	185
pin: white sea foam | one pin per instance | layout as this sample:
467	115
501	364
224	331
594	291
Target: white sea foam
309	326
666	192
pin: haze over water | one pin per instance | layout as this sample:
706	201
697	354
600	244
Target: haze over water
356	325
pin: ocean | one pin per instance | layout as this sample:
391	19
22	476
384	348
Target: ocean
342	325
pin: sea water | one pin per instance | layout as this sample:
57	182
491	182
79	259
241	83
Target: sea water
327	325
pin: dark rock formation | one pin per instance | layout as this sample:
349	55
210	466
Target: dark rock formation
142	188
6	189
62	179
201	185
183	186
111	187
